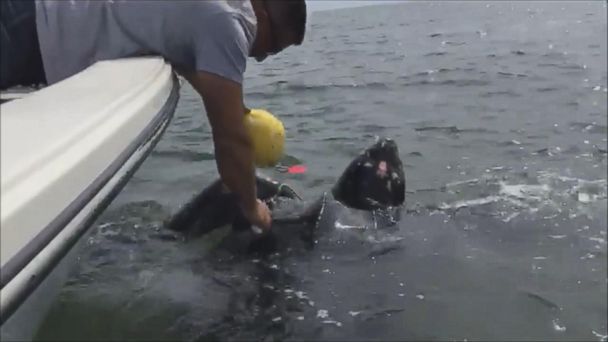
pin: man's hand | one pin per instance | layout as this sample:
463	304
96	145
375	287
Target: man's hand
223	101
259	216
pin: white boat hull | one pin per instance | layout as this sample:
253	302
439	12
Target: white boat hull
41	250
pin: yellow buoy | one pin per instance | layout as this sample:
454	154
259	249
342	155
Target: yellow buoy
267	135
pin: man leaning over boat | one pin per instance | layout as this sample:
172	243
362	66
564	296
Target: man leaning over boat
207	42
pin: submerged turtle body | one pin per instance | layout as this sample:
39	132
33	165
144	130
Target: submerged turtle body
369	193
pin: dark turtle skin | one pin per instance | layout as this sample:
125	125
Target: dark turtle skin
373	181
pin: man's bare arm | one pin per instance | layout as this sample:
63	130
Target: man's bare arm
223	100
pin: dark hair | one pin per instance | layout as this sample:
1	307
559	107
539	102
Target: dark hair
292	15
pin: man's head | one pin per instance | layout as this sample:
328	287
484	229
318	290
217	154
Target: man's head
281	23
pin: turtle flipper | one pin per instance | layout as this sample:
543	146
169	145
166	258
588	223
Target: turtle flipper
268	191
209	209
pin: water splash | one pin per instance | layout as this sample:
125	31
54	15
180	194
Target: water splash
510	197
557	326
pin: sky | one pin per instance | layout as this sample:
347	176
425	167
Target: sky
320	5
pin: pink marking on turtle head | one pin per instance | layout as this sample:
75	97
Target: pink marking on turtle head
381	169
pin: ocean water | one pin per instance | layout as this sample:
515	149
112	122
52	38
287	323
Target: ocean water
499	110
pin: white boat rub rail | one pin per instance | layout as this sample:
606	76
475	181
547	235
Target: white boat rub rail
17	286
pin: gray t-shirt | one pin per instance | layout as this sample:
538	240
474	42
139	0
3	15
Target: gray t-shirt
207	35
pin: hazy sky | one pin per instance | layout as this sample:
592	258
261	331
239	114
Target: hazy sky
319	5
